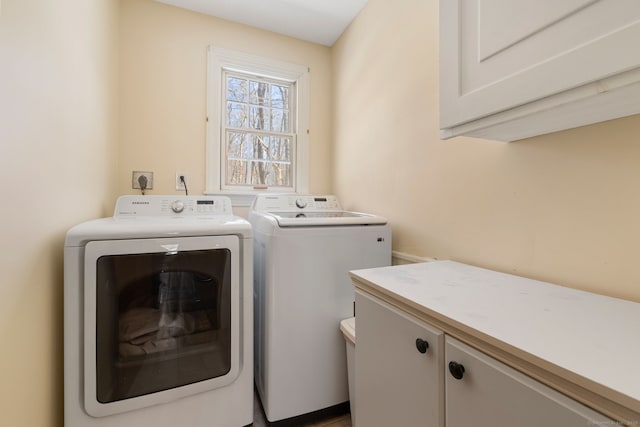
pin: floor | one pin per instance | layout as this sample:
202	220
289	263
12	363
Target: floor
259	419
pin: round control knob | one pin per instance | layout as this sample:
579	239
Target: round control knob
177	206
456	370
422	345
301	203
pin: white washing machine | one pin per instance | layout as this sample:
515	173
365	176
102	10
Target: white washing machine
158	316
304	247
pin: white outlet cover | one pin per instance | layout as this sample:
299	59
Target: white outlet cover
179	184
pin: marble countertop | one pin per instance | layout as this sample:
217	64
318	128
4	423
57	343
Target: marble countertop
578	334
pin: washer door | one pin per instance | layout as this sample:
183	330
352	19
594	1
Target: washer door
161	320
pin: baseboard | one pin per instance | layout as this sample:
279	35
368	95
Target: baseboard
401	258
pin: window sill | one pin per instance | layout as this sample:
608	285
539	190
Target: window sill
237	199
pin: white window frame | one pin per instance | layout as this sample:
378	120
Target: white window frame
219	59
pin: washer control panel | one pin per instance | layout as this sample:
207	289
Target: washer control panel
295	202
172	206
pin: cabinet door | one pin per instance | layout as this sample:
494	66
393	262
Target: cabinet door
490	394
396	384
499	54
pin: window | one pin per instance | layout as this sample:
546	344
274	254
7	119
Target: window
257	124
257	132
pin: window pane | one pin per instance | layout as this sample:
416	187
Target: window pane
237	173
260	173
238	146
280	149
258	93
280	96
237	89
261	147
236	115
273	174
280	121
259	118
283	175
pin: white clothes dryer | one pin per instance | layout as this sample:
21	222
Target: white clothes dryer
304	247
158	315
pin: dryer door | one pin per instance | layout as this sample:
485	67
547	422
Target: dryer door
161	320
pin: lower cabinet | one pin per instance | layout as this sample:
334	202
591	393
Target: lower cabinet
409	373
482	392
399	376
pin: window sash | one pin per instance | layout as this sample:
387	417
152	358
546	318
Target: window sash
251	172
270	163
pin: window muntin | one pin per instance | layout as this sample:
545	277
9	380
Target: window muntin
258	132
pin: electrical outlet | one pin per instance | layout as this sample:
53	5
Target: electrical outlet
179	183
135	180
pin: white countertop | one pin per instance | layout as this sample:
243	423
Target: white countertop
592	336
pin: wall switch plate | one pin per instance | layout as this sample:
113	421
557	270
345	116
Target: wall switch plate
135	180
179	183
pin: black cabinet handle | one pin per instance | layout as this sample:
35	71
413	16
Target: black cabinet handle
456	369
422	345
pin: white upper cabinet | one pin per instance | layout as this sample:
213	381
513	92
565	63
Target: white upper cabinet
511	69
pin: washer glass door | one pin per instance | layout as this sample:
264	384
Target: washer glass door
159	317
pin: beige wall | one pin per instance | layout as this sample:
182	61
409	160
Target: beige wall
57	156
163	82
563	207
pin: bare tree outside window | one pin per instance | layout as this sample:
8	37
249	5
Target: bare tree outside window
259	134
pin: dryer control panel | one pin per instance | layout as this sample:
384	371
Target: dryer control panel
296	202
172	206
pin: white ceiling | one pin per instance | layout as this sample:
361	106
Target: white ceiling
318	21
